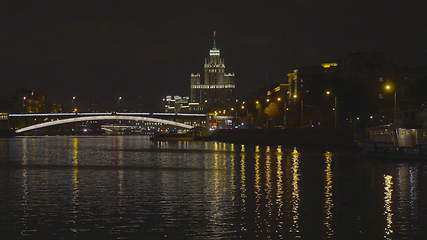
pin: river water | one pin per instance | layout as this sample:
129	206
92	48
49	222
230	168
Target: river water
126	187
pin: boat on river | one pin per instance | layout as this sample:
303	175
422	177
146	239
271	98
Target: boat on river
404	140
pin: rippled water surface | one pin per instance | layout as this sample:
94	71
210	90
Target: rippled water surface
128	187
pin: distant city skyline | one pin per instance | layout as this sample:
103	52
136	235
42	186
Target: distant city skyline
147	51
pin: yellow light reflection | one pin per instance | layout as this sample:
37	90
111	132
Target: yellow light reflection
75	166
75	179
328	195
257	188
75	152
243	196
388	212
269	187
280	192
232	173
216	147
295	195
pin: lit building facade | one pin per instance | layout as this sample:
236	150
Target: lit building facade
216	88
180	104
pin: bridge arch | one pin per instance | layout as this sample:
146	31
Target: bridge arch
99	118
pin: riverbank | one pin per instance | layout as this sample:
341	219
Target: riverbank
6	133
296	136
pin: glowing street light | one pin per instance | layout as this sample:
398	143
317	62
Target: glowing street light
295	96
279	99
389	87
334	109
23	103
242	107
256	102
267	100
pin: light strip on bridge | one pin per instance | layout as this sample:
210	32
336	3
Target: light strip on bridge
133	114
99	118
55	114
181	114
103	114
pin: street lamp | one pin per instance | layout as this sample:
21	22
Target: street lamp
73	103
389	87
23	103
329	93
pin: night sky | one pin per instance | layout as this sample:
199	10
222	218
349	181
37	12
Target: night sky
98	50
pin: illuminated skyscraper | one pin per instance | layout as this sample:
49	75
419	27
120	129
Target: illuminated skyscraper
216	89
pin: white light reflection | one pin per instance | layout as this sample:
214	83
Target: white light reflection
25	190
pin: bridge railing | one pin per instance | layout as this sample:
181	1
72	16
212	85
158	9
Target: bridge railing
103	114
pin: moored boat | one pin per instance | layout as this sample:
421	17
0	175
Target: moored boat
406	139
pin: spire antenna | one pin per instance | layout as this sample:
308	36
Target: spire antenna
214	40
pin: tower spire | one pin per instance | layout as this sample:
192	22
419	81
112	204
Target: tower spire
214	40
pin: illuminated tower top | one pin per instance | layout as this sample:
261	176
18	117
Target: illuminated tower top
214	51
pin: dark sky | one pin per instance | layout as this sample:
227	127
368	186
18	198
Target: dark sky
102	49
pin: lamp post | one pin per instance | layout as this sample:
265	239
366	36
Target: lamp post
295	98
23	103
335	109
119	104
73	103
389	87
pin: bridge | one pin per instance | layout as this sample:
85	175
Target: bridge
54	119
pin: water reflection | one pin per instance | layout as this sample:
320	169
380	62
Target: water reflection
279	192
76	183
269	193
257	188
328	195
243	196
25	189
123	186
295	196
388	212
